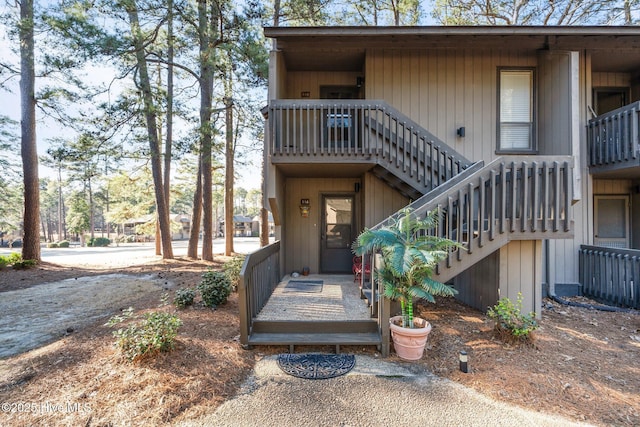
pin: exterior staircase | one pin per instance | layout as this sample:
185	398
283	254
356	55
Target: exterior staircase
482	206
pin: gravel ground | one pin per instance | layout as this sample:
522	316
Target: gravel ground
375	393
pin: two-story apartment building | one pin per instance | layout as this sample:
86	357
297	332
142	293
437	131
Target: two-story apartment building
525	138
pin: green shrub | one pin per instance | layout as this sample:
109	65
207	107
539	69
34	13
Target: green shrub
24	264
15	259
53	245
7	260
99	242
63	244
232	269
184	297
215	288
510	324
147	335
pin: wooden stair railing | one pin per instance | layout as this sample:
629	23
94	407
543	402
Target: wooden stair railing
370	131
486	206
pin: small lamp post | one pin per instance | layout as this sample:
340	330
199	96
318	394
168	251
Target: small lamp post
464	367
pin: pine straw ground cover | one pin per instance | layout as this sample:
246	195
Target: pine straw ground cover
583	365
83	380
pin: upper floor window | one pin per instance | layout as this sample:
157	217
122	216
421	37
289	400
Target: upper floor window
515	110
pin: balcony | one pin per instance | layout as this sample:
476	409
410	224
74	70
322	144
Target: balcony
614	143
358	135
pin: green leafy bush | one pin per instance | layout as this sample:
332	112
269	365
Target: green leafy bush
7	260
510	324
232	269
215	288
147	335
23	264
99	242
15	259
63	244
184	297
53	245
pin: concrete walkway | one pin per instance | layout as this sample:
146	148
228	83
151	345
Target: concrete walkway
375	393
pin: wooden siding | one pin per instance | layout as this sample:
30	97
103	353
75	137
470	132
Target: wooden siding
444	90
301	236
561	265
380	200
478	285
520	272
612	186
602	79
277	68
310	81
556	103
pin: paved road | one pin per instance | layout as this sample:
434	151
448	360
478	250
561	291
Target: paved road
127	254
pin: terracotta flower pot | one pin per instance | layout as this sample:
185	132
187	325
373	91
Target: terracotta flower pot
409	343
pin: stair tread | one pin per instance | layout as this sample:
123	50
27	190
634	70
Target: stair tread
315	327
275	338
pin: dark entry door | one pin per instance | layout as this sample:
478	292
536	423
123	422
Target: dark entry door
337	234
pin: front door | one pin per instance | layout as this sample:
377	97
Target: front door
337	234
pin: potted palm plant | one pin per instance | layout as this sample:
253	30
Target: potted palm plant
409	257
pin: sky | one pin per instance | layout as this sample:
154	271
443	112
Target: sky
48	129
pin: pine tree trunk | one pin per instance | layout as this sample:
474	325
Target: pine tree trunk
228	177
169	137
196	218
207	70
29	151
152	131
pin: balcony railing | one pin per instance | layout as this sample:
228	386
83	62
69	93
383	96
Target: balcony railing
614	139
360	131
611	275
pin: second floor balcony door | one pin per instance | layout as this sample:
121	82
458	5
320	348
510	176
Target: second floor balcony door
340	122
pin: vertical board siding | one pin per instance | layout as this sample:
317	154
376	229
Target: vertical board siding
478	285
611	186
381	201
302	235
520	272
603	79
555	106
446	100
310	81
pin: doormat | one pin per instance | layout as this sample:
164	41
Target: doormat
314	366
312	286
